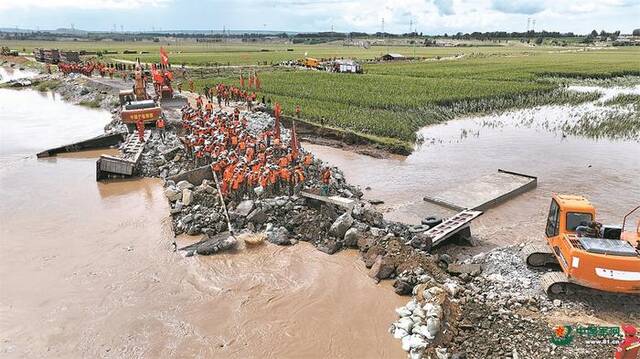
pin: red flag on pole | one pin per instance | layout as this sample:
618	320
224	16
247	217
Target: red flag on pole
276	111
294	141
164	56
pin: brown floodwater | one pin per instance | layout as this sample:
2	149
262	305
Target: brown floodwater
87	269
456	152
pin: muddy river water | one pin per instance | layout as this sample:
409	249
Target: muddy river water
87	269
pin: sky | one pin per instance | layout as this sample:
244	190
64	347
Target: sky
427	16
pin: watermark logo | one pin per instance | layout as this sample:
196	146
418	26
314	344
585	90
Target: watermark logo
562	335
565	334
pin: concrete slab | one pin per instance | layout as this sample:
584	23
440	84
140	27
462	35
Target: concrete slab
195	177
485	191
336	200
101	141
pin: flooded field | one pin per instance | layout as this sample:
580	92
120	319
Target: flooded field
456	152
88	271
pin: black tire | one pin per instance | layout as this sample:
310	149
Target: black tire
419	228
432	221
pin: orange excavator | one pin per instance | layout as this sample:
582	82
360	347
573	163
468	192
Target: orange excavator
162	83
590	255
136	104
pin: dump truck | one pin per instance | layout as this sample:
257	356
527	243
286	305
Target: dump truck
588	254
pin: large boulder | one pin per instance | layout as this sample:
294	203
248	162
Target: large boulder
329	247
216	244
351	237
244	208
187	196
182	185
173	194
279	236
257	216
341	225
382	268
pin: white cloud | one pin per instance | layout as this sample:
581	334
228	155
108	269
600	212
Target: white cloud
80	4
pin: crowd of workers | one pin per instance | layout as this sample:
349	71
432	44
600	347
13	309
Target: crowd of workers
224	94
243	161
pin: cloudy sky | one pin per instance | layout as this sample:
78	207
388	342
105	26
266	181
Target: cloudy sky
430	16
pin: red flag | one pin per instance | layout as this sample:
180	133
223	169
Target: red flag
164	56
241	80
276	111
294	141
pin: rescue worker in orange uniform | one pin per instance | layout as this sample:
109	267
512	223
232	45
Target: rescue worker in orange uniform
325	176
629	347
140	128
160	126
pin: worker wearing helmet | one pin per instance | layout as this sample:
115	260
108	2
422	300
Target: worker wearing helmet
160	126
628	348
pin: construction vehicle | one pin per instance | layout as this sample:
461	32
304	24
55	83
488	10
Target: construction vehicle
310	62
162	83
136	104
589	255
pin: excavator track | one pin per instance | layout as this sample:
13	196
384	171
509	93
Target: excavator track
538	255
554	283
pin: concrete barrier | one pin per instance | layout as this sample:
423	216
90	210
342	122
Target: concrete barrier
195	176
101	141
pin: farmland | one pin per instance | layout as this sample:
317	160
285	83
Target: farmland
192	53
394	100
390	101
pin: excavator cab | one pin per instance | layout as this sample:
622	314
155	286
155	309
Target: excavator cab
587	253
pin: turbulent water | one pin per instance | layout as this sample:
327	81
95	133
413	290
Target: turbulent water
87	270
459	151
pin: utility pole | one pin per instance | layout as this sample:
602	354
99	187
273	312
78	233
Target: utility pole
415	33
383	42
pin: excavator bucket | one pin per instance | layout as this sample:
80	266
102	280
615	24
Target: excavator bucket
176	101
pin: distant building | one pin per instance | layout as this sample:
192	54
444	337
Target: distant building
391	57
